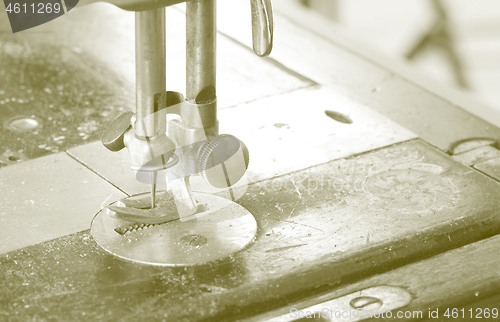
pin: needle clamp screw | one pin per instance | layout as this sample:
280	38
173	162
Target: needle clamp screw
113	137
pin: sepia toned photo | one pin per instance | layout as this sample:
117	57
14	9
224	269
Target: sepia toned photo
249	160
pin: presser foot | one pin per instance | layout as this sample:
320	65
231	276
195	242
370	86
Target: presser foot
140	210
157	236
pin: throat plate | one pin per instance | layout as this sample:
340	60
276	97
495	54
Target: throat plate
223	230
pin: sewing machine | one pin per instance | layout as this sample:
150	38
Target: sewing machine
193	146
356	195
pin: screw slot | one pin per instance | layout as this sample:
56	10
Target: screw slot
22	124
194	240
339	117
14	158
366	302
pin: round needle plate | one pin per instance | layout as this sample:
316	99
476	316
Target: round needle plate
224	229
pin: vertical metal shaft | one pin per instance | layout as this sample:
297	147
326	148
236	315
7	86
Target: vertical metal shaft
154	175
200	52
150	71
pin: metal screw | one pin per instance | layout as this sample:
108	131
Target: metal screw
366	302
339	117
194	240
22	124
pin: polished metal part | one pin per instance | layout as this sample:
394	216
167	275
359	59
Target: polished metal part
262	27
154	175
146	140
150	71
142	152
155	165
226	226
132	228
22	124
200	50
223	160
138	209
186	203
274	148
154	171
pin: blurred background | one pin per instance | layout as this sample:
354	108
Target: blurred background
452	42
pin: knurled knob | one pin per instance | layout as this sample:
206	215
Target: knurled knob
223	160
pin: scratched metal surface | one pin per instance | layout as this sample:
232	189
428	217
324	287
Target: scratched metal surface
319	228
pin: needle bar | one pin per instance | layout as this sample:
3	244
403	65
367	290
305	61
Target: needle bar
153	188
